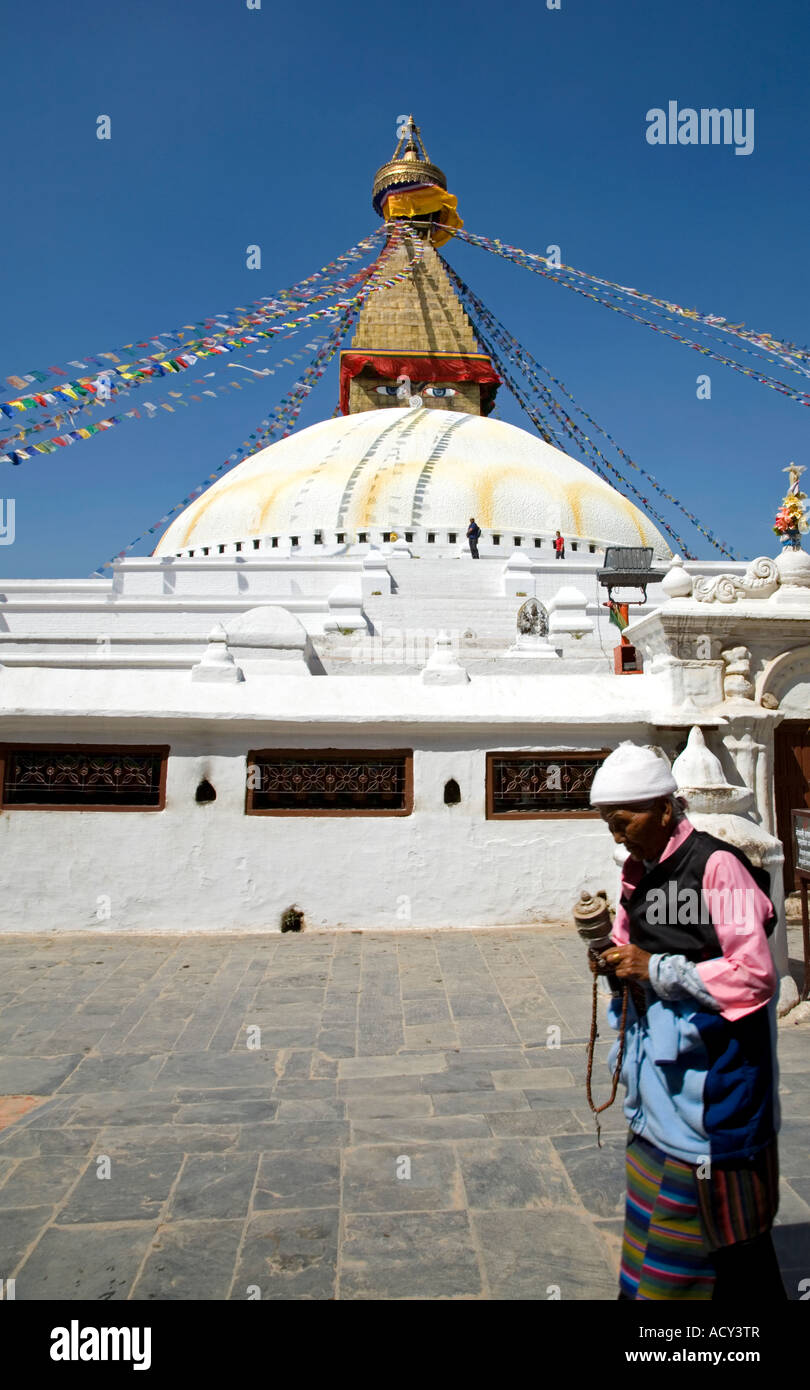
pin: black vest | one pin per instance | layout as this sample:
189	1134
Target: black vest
666	919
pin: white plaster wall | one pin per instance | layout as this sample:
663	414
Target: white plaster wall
211	867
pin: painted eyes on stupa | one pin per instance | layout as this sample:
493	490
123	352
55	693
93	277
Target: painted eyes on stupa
437	391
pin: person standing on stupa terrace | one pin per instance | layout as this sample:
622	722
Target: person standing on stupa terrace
473	532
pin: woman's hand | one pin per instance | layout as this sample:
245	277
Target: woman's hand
627	962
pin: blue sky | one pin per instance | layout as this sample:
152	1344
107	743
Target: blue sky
234	126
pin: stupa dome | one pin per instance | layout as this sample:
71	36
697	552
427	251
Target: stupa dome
400	468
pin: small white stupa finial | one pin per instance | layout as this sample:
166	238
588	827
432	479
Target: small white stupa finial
217	662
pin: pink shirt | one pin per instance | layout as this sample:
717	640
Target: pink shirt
744	977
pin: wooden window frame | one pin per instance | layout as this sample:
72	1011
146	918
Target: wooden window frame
546	754
314	755
161	749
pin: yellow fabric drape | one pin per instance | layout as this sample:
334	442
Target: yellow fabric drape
413	202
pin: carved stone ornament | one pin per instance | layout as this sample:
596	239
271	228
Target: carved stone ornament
532	618
760	580
736	684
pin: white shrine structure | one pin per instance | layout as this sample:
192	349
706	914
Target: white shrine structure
312	694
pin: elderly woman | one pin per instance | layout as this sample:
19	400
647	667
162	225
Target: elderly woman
690	937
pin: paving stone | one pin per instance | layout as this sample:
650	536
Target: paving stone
544	1255
35	1076
532	1078
215	1186
219	1111
486	1058
293	1179
315	1109
241	1068
458	1080
383	1177
7	1166
289	1255
409	1256
382	1106
304	1088
472	1031
174	1268
413	1130
38	1179
598	1174
378	1085
135	1190
422	1035
114	1073
167	1138
514	1173
90	1263
575	1098
794	1150
801	1186
325	1067
477	1006
29	1143
519	1122
337	1044
19	1228
793	1211
54	1113
397	1065
426	1011
102	1108
267	1138
478	1102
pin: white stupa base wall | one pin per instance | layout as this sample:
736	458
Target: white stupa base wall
211	867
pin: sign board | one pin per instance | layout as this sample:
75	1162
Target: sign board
801	842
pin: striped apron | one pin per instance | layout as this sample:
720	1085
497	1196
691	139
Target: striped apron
674	1219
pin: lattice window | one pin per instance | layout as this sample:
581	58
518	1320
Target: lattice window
83	778
540	784
328	782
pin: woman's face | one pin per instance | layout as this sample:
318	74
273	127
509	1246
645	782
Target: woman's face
644	830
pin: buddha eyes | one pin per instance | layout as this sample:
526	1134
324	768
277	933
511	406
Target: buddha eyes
437	391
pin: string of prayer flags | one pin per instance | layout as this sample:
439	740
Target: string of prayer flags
82	410
529	366
72	436
281	302
134	374
539	265
290	407
591	454
583	443
781	347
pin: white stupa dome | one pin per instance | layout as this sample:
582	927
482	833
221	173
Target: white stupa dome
402	468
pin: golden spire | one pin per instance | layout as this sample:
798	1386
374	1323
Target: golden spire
409	166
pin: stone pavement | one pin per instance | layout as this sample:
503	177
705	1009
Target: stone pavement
337	1115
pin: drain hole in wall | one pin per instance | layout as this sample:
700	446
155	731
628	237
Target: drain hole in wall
452	793
205	792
